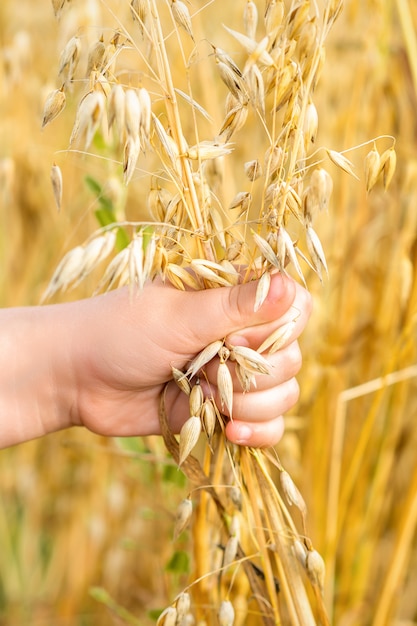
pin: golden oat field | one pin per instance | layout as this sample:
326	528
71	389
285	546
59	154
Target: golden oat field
87	524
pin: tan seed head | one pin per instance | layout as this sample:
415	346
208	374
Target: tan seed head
316	568
183	516
226	613
56	180
189	434
54	104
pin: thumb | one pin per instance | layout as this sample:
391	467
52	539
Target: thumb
216	313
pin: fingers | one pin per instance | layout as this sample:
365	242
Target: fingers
285	364
299	313
262	406
215	313
260	435
257	416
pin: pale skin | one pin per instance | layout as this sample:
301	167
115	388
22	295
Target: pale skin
102	362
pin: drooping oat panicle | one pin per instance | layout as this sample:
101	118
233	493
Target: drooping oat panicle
70	57
182	17
310	126
132	113
250	19
298	17
262	290
235	495
372	168
114	270
195	234
226	613
278	338
130	157
139	10
149	260
267	251
230	551
158	201
217	224
388	164
168	617
89	116
116	108
273	16
208	150
251	360
307	40
233	81
181	380
168	144
316	251
54	104
211	271
189	435
183	516
286	248
57	6
300	552
180	277
205	356
341	161
292	493
253	169
182	604
96	56
196	399
235	120
145	104
57	184
96	251
67	271
225	383
273	159
136	257
256	88
317	195
194	104
316	569
221	56
242	200
257	51
208	418
246	378
335	9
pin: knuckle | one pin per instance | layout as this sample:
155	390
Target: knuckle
292	393
294	358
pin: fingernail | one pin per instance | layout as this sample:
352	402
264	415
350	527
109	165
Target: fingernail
243	434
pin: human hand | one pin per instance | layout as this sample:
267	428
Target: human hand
124	344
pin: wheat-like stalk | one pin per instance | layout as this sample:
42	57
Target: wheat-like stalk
222	208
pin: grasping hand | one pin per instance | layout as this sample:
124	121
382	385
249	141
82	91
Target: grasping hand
130	342
103	362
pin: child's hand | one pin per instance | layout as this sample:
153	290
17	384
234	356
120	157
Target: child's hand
126	344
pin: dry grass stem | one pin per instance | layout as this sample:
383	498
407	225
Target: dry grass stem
218	132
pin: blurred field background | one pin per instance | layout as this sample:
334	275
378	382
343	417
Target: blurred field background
78	512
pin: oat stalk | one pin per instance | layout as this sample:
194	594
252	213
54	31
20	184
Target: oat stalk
198	237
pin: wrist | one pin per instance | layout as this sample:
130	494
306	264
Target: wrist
36	373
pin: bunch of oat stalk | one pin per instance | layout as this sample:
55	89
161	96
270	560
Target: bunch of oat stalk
216	218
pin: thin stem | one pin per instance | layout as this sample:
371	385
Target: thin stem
193	206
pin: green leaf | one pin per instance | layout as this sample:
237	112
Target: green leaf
93	185
172	474
153	614
101	595
179	563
